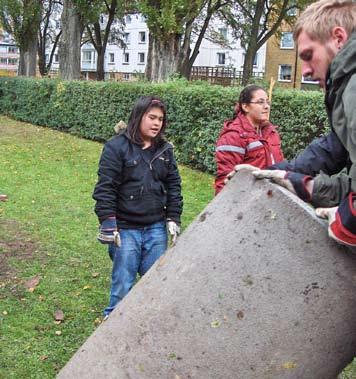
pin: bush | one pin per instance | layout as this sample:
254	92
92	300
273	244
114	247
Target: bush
195	111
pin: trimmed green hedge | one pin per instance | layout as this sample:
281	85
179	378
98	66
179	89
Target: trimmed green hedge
196	111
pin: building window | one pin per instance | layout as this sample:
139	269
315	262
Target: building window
141	58
58	24
126	58
223	32
142	37
255	60
56	58
287	40
88	57
12	50
127	38
285	73
128	19
46	58
309	80
221	58
3	60
111	57
126	76
12	61
292	11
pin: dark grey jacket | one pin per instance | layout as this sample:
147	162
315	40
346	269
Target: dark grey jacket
136	191
325	157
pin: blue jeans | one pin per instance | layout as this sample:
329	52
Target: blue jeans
139	250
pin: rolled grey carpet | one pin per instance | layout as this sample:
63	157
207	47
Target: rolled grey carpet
254	288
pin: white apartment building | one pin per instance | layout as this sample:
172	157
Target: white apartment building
214	55
125	63
9	54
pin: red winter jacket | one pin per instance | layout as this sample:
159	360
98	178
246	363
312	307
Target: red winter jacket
240	143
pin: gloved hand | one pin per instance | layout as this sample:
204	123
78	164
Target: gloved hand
292	181
330	215
240	167
173	230
277	176
108	232
342	220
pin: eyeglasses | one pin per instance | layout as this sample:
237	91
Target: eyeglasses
261	102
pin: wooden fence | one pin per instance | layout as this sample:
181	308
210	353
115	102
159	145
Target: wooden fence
226	76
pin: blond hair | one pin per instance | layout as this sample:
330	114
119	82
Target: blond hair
319	18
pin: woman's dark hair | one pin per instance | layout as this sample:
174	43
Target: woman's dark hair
245	97
143	105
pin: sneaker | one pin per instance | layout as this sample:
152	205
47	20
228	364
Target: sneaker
105	317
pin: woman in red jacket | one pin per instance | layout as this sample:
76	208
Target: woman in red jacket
249	137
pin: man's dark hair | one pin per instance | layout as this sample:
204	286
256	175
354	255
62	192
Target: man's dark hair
143	105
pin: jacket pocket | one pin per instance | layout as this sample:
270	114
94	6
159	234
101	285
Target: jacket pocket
138	202
132	169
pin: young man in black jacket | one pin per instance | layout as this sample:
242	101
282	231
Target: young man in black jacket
138	192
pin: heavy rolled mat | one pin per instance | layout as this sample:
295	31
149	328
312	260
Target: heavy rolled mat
254	288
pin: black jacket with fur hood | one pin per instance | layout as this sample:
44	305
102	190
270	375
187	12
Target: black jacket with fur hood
136	190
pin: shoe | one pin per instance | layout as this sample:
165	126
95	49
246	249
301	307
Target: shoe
105	317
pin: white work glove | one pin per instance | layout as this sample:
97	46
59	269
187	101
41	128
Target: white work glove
173	230
108	232
240	167
330	215
277	176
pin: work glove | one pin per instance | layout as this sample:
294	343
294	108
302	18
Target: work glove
240	167
292	181
173	230
341	220
108	232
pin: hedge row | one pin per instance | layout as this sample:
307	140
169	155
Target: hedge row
195	111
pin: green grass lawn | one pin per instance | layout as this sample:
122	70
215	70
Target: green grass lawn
48	234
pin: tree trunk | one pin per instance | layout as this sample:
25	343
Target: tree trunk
100	64
248	63
252	44
187	56
69	46
163	58
28	54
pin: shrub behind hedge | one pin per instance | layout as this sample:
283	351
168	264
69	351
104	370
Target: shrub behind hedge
195	111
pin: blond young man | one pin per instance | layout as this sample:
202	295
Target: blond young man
326	38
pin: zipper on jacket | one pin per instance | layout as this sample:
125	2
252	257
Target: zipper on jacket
158	155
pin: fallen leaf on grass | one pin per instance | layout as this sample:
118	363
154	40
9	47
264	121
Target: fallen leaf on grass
58	332
95	274
86	287
4	313
58	315
32	283
43	357
97	321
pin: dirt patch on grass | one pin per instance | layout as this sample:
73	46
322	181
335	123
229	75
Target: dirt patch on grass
14	245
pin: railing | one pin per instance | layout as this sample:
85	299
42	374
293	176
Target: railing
226	76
